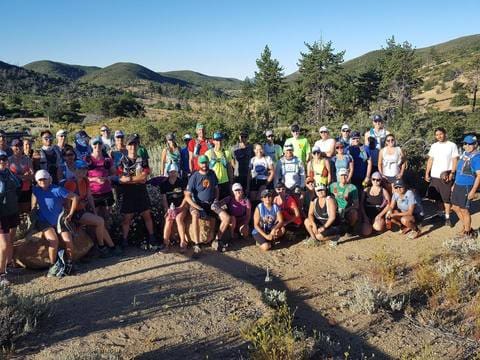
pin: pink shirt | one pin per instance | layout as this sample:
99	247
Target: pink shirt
99	168
238	208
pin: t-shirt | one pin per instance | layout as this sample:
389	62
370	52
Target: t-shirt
360	158
173	192
50	203
259	167
99	168
301	148
442	155
202	149
202	187
325	145
342	163
274	151
408	199
20	168
467	167
287	207
219	160
79	187
238	208
344	195
133	167
242	156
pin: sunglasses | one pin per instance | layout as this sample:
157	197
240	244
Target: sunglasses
467	144
69	154
338	147
323	132
318	190
347	130
398	187
280	189
238	190
269	136
316	152
356	138
103	130
296	131
61	135
309	183
378	121
375	179
47	138
42	180
390	140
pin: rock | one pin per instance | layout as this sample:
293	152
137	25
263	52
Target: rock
207	229
32	252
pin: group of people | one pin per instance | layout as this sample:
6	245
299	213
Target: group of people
351	183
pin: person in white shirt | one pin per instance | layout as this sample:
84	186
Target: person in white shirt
107	138
326	143
440	171
271	149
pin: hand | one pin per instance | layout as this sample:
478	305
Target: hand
450	176
125	179
68	217
427	178
321	229
377	219
471	195
269	237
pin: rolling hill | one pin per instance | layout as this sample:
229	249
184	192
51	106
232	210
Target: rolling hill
198	79
122	73
60	70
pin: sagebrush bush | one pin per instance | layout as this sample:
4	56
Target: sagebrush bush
20	314
385	268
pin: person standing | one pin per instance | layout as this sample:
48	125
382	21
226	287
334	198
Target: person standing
261	174
301	146
467	182
289	170
197	147
82	144
274	151
220	161
22	167
184	159
119	149
377	131
326	143
61	137
170	154
107	138
344	137
48	156
362	162
391	161
440	171
242	153
4	145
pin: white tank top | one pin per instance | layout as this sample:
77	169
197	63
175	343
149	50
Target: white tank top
391	162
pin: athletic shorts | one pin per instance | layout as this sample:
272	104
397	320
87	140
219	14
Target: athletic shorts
440	190
105	199
460	196
332	230
8	222
242	220
256	184
204	213
135	200
390	179
259	239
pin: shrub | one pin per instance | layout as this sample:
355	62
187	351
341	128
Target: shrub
460	99
449	74
428	85
456	87
366	298
19	314
385	267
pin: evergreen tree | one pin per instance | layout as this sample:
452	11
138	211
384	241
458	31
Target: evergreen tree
319	71
398	66
368	87
268	79
473	76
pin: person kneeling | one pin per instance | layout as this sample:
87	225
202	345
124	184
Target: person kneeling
322	222
405	210
240	210
86	213
49	199
267	222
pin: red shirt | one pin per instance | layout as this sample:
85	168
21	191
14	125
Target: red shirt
287	208
203	149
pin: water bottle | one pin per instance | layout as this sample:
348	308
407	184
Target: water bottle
171	212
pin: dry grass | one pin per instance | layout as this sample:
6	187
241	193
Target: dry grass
385	267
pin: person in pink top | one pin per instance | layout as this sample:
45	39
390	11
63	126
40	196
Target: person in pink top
21	165
240	209
100	174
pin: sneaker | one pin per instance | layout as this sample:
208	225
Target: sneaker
104	252
145	245
448	223
196	251
162	248
56	269
4	280
69	268
61	261
333	243
116	251
183	247
215	245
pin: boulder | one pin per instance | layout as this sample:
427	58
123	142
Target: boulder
207	229
32	252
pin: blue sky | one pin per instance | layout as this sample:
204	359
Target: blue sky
221	38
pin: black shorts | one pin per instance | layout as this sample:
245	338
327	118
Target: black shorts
256	184
103	199
135	199
224	190
8	222
77	215
460	196
390	179
332	230
440	190
25	197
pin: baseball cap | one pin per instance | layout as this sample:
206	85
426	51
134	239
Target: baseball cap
170	137
133	139
104	127
203	159
97	140
199	126
377	118
323	129
288	147
342	171
280	185
81	134
3	154
268	133
399	183
173	167
376	175
244	133
316	149
265	193
61	132
237	186
42	174
355	134
119	134
187	137
217	135
470	139
15	142
295	127
81	164
320	187
345	127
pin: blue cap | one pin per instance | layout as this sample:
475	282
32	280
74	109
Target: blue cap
217	135
81	164
470	139
97	140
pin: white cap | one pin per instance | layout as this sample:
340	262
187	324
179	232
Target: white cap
61	132
42	174
3	153
342	171
172	167
268	133
187	137
316	149
345	127
237	186
324	128
288	146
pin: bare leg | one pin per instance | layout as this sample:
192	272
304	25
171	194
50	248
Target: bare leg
225	221
147	217
52	238
4	241
167	231
181	227
126	222
67	239
196	227
97	222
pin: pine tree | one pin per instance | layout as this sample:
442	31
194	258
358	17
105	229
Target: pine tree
319	71
269	78
473	76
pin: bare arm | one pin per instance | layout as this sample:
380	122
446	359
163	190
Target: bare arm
189	200
332	213
75	200
380	161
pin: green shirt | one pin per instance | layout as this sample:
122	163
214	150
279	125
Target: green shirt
345	196
221	158
301	148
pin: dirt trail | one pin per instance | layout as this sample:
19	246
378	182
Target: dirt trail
169	306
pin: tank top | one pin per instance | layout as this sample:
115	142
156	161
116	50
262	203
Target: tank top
374	203
99	167
391	162
268	217
172	157
321	212
320	172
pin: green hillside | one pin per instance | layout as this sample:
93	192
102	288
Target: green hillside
121	73
199	79
60	70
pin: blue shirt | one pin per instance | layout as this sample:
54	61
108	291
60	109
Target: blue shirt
203	187
50	203
408	200
268	218
360	161
467	167
184	160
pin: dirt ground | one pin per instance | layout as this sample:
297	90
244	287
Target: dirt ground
170	306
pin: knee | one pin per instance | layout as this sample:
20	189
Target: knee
404	220
265	246
366	229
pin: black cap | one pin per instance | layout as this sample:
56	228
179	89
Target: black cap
294	127
280	185
399	183
2	132
355	134
133	139
244	133
377	118
265	192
